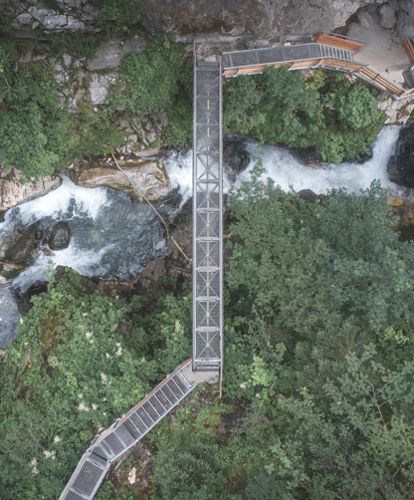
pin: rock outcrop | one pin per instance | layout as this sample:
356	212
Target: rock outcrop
13	192
250	20
401	165
9	316
110	53
149	176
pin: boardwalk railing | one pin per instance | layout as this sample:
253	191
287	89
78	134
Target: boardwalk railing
305	56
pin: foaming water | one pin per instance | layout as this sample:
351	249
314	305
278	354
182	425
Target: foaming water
58	202
288	173
291	175
112	235
180	171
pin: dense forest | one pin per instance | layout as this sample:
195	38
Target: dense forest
319	305
318	388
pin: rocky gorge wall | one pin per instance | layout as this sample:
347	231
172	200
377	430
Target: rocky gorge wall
249	20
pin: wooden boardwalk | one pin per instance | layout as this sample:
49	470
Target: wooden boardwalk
306	56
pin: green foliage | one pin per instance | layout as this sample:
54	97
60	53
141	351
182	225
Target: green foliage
319	351
73	369
121	12
32	126
151	79
77	45
340	119
94	134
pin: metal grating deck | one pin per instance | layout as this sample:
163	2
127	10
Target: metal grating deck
125	433
207	218
287	53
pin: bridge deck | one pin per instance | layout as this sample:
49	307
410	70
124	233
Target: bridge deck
207	218
125	433
305	56
288	53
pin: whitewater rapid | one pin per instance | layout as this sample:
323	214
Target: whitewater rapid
290	175
112	235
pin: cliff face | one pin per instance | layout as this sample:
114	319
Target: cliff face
261	20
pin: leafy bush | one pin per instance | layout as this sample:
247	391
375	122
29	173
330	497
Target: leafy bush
326	111
151	79
122	12
32	125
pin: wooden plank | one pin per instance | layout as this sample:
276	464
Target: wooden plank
339	42
408	46
307	64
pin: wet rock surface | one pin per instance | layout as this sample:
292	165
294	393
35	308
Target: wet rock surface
235	155
9	316
112	236
60	236
401	165
14	192
149	177
20	251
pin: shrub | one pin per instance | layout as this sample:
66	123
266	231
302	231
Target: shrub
326	111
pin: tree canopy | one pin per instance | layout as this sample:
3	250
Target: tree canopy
324	110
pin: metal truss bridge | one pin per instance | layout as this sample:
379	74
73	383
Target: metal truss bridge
206	364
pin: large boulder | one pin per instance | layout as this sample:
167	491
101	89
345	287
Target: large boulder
99	87
110	53
149	177
401	165
14	192
59	236
235	155
387	17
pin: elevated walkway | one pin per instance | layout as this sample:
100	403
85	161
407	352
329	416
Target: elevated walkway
207	218
115	442
337	57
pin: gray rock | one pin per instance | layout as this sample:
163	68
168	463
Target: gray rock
109	54
9	316
59	236
253	19
13	192
39	13
235	155
387	17
99	86
24	18
405	23
67	60
400	167
52	22
21	250
74	24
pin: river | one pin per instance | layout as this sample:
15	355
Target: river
114	237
